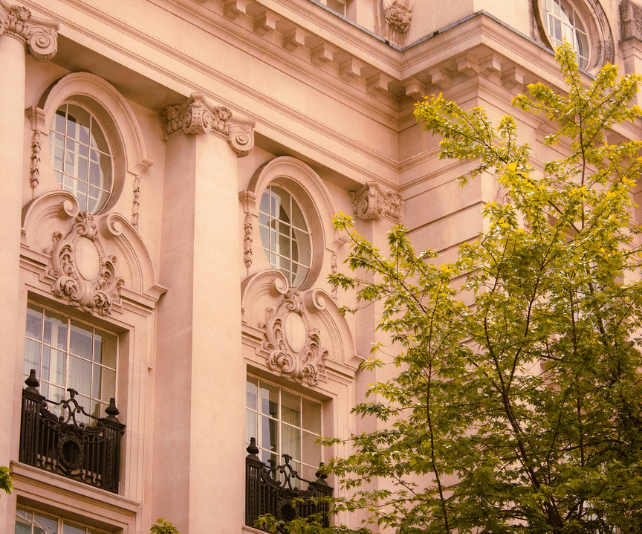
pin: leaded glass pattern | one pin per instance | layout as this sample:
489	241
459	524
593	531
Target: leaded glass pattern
284	422
69	354
81	157
285	235
563	24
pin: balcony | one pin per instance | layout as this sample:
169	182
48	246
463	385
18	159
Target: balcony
59	444
275	490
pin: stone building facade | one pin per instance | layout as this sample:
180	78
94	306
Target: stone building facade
169	173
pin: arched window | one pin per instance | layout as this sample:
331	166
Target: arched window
285	234
563	23
81	156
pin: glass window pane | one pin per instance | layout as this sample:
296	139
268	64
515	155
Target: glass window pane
252	393
105	348
291	408
265	202
98	139
71	528
104	386
53	366
32	357
251	425
291	441
55	330
269	399
297	217
311	449
269	434
80	340
311	416
59	120
281	204
80	119
56	150
79	375
34	321
44	524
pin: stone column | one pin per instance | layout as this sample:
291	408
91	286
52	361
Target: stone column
199	438
19	32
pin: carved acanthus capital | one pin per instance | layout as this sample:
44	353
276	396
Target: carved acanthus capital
398	14
40	36
82	272
201	117
373	202
293	347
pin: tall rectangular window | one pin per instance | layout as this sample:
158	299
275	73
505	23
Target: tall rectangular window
284	422
67	353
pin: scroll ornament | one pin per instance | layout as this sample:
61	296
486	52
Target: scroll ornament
373	202
201	117
82	272
39	35
293	347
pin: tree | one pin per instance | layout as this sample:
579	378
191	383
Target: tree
163	527
6	483
517	406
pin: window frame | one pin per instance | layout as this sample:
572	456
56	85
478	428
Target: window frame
60	522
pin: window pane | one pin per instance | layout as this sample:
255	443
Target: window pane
69	528
265	202
269	399
297	217
269	434
59	120
105	348
311	449
80	340
252	392
104	386
251	425
291	408
55	330
98	139
34	322
79	375
44	524
53	366
32	357
291	441
311	416
80	122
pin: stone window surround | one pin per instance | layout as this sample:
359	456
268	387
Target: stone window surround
600	36
115	116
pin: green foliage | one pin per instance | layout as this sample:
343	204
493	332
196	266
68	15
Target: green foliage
517	406
6	483
163	527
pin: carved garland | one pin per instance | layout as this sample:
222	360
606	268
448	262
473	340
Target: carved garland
372	202
247	240
293	347
82	272
200	117
39	35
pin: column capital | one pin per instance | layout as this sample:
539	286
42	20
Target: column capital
201	117
372	201
39	35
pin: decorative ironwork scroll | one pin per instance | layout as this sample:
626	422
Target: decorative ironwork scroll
63	445
274	490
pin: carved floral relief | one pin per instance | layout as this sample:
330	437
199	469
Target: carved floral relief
398	15
82	272
373	202
294	348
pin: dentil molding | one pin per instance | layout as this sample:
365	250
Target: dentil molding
373	202
40	36
199	116
293	347
82	272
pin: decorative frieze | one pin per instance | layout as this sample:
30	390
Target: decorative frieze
201	117
82	272
293	347
40	36
373	202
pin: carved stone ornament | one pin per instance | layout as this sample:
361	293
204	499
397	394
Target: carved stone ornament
398	14
293	347
631	17
247	240
373	202
199	117
40	36
82	272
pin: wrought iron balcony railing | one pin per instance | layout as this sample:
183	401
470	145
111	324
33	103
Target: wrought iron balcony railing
274	490
61	445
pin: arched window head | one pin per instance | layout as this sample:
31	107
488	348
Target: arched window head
285	234
81	156
563	23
